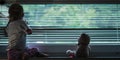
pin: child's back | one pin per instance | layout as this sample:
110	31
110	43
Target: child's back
16	34
83	51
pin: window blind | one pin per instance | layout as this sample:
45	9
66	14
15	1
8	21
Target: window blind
63	23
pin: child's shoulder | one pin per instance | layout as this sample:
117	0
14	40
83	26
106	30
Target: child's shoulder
17	22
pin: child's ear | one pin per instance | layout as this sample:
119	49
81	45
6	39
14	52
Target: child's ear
22	14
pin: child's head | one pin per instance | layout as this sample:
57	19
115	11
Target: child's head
84	39
15	12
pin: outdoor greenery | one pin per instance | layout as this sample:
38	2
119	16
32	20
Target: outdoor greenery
71	15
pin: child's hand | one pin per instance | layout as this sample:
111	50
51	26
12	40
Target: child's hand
29	31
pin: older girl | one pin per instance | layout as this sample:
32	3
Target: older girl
16	30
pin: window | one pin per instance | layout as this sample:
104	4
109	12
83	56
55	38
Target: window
63	23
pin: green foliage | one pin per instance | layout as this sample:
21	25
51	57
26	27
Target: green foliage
73	15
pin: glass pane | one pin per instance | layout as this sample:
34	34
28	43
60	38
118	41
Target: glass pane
90	16
70	15
73	15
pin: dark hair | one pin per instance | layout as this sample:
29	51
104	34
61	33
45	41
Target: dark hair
15	12
2	2
84	39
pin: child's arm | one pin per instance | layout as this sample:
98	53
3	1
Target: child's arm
26	28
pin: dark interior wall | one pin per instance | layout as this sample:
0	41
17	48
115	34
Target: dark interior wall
68	1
